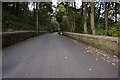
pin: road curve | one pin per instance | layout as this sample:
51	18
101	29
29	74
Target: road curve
53	56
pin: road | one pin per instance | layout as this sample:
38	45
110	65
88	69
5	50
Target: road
53	56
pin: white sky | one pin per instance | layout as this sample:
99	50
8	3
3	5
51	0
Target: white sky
31	6
78	4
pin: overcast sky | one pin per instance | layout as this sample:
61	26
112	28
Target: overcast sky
78	4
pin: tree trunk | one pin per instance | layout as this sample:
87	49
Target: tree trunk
92	19
85	18
34	8
72	17
116	11
37	5
74	26
17	9
68	20
106	17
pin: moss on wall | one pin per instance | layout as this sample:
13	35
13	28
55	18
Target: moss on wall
106	43
9	38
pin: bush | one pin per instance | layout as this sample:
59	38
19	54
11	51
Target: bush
113	30
100	30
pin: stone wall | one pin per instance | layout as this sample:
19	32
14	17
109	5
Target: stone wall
106	43
9	38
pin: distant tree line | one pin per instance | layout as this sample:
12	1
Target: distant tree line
17	16
97	18
92	18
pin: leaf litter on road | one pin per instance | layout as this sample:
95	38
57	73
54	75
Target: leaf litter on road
112	59
66	57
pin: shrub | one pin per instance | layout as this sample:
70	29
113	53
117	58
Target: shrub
113	30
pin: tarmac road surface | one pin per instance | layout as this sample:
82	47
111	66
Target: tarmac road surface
53	56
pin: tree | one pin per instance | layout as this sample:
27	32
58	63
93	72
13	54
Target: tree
74	14
17	16
61	16
85	18
37	12
45	15
92	19
106	16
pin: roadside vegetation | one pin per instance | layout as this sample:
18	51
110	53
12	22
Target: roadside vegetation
97	18
17	16
100	18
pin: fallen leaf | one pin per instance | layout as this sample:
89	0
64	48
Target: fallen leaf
90	69
26	74
87	51
66	57
108	61
115	56
113	64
